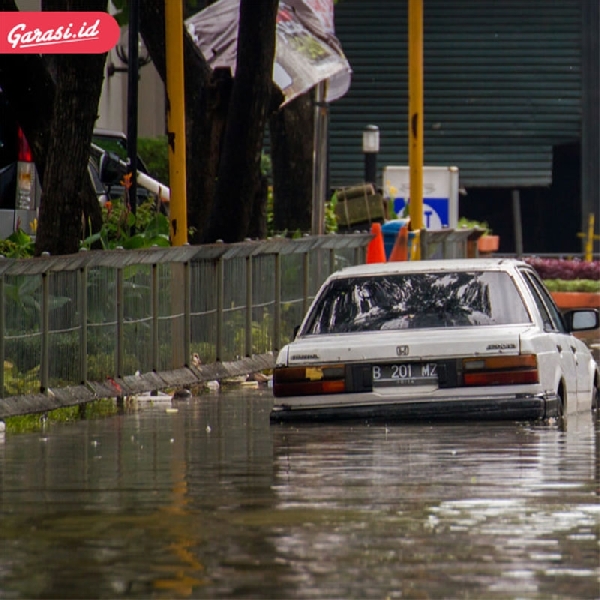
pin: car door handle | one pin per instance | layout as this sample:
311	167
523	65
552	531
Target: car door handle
559	347
574	349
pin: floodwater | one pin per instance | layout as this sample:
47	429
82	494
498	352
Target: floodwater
206	499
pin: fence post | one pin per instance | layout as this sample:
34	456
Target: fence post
187	315
155	315
277	319
357	255
306	282
45	332
249	276
83	318
120	313
423	239
220	300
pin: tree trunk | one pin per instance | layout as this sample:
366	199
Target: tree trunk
292	131
206	101
66	193
239	172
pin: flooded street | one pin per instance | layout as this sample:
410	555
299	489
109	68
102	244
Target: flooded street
206	499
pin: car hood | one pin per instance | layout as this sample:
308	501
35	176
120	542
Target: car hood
404	344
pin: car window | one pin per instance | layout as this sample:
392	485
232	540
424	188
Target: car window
551	316
417	300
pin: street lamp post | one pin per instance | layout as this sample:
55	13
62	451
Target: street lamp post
370	147
132	101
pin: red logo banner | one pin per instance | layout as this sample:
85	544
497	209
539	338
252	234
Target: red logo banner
57	32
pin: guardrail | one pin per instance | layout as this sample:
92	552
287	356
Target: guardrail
117	323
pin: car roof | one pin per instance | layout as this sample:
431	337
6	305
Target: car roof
439	265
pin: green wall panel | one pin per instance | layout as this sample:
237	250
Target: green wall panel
502	86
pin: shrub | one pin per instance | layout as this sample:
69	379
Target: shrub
155	154
573	285
565	269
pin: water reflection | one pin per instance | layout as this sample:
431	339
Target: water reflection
211	501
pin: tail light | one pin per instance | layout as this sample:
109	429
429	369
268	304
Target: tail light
500	370
25	174
309	381
23	150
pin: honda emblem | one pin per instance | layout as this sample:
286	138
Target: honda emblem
402	350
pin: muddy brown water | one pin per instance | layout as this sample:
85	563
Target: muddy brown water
206	499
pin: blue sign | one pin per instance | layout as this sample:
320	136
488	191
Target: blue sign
436	211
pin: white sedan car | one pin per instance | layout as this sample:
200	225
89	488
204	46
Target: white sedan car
451	339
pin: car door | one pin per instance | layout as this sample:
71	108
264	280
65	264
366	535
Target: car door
554	325
579	349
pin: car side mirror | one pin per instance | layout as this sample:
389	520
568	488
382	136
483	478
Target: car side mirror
583	320
109	168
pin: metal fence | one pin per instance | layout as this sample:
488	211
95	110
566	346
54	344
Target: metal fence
110	323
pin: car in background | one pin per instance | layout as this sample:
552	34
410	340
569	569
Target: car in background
20	189
444	339
115	144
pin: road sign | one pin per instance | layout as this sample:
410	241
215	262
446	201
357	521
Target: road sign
440	194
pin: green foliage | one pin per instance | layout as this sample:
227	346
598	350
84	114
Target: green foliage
18	245
121	228
17	383
33	422
464	223
574	285
331	224
155	154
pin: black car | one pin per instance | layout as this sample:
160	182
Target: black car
20	189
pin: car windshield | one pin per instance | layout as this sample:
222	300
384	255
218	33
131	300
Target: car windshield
417	300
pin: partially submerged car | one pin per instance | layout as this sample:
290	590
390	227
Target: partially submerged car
445	339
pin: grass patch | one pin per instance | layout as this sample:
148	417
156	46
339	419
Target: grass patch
102	408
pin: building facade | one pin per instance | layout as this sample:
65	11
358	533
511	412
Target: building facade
510	98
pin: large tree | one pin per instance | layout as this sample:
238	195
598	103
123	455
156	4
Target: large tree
239	170
56	102
206	102
292	133
225	121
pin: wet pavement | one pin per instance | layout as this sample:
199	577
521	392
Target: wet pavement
205	498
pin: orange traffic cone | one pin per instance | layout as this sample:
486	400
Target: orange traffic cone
376	249
400	249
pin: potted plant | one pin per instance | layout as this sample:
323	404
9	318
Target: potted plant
486	242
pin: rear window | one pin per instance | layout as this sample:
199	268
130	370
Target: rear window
415	301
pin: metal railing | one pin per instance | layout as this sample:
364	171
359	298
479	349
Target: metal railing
114	323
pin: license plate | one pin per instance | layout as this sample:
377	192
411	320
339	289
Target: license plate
405	374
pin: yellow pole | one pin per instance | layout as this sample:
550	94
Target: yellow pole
589	243
589	238
176	120
415	113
